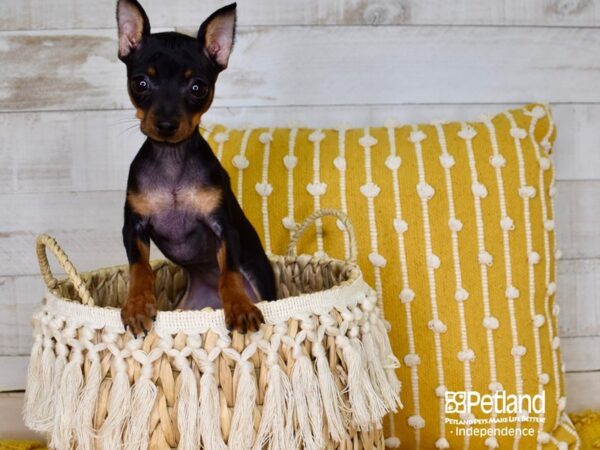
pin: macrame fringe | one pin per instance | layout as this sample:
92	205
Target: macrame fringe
241	435
66	402
84	420
377	408
51	374
33	394
379	330
378	375
41	417
143	397
276	423
187	410
356	394
210	427
333	404
307	399
118	407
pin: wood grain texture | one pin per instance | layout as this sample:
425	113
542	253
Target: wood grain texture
581	354
16	309
583	391
67	151
40	14
577	211
73	70
579	298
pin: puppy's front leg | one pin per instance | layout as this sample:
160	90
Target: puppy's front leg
139	310
241	313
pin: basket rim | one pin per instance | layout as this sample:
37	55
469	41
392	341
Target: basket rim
348	293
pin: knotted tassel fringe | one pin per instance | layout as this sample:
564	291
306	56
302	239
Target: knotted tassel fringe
307	399
143	397
276	424
390	363
359	404
118	407
67	401
41	419
187	410
377	407
33	393
210	428
377	373
333	404
84	421
53	368
241	435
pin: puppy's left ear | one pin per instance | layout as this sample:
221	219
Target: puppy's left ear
217	34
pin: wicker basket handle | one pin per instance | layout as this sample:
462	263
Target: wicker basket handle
301	229
44	242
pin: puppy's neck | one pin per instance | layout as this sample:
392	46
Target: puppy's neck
178	149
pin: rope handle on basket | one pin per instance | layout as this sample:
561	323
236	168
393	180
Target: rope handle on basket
44	242
301	229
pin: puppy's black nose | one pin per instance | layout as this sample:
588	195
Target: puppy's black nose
167	127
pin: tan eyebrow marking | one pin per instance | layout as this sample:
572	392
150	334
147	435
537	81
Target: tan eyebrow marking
188	73
151	71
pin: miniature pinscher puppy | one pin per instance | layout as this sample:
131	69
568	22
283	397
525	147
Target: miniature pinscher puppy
178	194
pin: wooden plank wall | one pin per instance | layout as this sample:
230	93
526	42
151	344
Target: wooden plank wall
67	131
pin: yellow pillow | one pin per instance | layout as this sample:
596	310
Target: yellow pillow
456	234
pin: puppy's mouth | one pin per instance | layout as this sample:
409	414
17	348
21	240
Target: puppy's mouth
170	138
170	133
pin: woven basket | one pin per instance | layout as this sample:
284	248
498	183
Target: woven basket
318	375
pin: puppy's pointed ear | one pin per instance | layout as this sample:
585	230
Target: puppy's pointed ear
217	34
133	26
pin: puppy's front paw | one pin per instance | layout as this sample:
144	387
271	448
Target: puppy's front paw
242	315
139	312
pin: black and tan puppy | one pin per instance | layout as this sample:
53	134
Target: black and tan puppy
178	194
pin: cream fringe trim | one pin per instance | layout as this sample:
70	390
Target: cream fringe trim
78	349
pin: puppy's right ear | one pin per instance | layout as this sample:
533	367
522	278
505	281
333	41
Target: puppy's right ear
133	26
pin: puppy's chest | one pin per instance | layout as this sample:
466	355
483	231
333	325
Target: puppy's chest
155	200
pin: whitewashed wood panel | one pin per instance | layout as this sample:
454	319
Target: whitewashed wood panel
89	224
91	150
71	70
577	149
583	391
41	14
13	377
577	209
69	151
16	309
581	354
579	299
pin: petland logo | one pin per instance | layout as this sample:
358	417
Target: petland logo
463	402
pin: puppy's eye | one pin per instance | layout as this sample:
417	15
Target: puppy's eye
140	85
198	89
